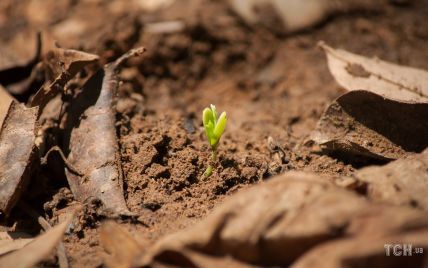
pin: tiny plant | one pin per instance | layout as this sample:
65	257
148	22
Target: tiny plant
214	128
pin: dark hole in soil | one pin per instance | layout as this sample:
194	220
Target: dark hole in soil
151	206
355	160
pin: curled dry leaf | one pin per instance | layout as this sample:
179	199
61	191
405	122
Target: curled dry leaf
285	16
70	62
384	114
91	140
121	247
304	212
366	124
38	249
355	72
18	126
402	182
64	64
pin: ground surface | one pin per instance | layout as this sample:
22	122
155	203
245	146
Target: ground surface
270	86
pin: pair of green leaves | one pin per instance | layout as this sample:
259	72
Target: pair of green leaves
214	125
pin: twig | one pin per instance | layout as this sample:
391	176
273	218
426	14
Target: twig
60	250
70	167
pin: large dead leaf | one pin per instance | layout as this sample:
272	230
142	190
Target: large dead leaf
368	252
38	249
92	143
402	182
384	114
355	72
366	124
276	222
17	148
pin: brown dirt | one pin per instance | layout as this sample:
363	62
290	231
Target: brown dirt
270	86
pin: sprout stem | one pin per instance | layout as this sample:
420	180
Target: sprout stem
208	172
214	155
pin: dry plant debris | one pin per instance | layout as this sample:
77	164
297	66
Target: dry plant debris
91	140
18	126
305	212
38	249
383	116
124	141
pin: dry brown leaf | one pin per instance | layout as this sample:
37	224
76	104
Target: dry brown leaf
367	252
9	246
355	72
123	249
366	124
11	241
91	141
276	222
38	249
16	162
384	114
70	62
19	126
402	182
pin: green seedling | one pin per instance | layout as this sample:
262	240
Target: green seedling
214	128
